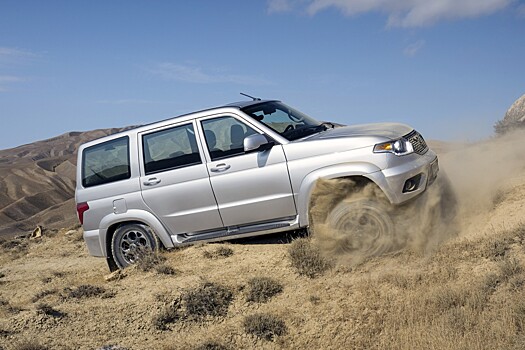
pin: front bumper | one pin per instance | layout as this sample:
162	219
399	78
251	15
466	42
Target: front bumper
393	180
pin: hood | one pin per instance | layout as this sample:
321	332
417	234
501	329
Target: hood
388	130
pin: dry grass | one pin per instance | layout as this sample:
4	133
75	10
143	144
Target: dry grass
264	326
86	291
148	260
262	289
48	310
209	299
30	345
42	294
196	304
217	253
307	259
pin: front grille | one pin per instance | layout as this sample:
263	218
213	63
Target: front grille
417	141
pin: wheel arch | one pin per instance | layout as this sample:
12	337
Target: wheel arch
364	173
113	221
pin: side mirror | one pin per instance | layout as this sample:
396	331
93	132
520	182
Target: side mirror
256	142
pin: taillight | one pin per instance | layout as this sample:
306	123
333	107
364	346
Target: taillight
81	208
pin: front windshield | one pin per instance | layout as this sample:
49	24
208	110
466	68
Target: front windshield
288	122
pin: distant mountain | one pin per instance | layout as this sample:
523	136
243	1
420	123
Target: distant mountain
514	118
37	182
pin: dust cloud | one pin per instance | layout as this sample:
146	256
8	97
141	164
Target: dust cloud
473	177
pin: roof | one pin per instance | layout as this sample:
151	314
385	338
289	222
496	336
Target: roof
242	104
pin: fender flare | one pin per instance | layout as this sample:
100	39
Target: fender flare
367	170
134	215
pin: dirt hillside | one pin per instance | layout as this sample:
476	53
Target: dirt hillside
466	291
37	182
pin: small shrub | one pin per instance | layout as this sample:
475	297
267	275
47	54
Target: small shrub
165	270
148	260
496	249
4	333
58	274
168	315
491	282
209	299
2	275
314	299
86	291
8	307
211	345
15	246
519	316
220	252
43	294
510	267
45	309
264	326
262	289
307	259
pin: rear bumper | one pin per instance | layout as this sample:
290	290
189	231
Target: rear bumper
92	239
423	168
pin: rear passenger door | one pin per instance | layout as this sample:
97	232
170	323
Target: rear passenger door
174	179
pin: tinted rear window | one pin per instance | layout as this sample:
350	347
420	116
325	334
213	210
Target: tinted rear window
106	162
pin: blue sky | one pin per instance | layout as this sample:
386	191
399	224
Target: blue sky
450	68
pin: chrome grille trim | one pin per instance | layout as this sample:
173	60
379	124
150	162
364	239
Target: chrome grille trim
417	141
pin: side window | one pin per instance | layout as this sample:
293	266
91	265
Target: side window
225	136
170	148
106	162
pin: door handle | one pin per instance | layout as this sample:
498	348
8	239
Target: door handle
151	181
220	168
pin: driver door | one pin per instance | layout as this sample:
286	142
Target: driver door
249	187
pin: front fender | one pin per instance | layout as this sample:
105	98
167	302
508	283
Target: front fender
136	215
363	169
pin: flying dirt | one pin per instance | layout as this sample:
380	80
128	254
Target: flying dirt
353	221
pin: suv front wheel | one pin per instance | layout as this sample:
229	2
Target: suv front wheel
130	242
361	226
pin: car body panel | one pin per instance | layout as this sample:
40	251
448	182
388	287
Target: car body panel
245	194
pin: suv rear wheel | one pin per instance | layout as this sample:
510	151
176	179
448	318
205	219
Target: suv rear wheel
130	242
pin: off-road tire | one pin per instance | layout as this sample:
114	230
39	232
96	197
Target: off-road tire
362	226
130	241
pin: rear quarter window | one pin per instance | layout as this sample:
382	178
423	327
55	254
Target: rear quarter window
106	162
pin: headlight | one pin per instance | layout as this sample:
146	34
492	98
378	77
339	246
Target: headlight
398	147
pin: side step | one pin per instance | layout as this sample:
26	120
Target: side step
234	231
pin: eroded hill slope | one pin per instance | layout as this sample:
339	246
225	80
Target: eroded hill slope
37	182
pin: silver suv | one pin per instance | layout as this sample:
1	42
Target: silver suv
244	169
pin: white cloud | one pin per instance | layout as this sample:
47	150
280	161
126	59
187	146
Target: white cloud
10	53
404	13
8	79
279	6
412	49
193	74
